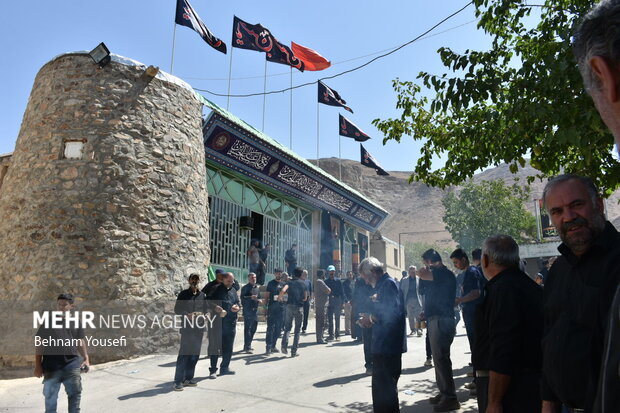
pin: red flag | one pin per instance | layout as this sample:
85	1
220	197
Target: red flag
312	60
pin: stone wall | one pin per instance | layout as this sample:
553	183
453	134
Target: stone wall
127	221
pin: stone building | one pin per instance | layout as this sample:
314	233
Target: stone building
117	190
104	195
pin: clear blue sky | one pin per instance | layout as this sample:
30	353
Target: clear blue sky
33	32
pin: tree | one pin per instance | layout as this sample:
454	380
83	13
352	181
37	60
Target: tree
486	209
414	251
523	97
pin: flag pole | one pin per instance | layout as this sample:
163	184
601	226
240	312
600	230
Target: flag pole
264	95
317	133
340	156
229	77
174	37
290	133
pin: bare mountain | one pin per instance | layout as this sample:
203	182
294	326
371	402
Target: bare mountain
417	208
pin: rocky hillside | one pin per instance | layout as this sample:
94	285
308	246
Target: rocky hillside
417	208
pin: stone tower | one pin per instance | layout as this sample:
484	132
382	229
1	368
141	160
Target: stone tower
105	196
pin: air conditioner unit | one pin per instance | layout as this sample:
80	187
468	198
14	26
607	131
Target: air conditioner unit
246	222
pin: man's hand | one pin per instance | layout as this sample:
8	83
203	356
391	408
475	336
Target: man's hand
85	362
365	320
38	371
234	308
425	273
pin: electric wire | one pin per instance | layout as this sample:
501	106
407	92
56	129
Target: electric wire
272	92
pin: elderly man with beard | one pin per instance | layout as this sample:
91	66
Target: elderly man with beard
578	293
389	336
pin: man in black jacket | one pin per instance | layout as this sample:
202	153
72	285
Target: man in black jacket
226	297
191	304
334	307
578	293
250	301
508	326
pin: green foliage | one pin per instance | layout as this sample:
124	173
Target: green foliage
485	209
523	97
414	251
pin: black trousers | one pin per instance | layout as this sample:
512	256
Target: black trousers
228	341
250	323
386	370
523	394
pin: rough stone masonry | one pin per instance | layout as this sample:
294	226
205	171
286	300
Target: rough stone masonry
127	219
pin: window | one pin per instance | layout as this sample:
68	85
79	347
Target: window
73	149
396	257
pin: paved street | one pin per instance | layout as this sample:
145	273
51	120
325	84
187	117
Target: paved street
324	378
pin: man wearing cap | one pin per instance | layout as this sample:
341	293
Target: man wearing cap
334	307
60	363
275	312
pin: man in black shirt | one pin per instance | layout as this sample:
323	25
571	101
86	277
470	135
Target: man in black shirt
250	302
227	296
297	296
57	358
191	304
308	283
275	313
290	258
470	291
508	333
439	313
334	307
578	293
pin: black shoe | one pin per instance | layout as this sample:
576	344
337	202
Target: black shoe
274	350
226	372
190	383
321	341
330	338
294	354
369	371
284	350
435	399
447	405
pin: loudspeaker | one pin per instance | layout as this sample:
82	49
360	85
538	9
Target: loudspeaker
246	222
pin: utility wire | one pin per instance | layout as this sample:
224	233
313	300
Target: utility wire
346	71
210	79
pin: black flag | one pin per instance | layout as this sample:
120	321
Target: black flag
252	36
350	130
186	16
369	161
330	97
284	55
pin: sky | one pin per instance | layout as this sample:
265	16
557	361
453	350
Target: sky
348	33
